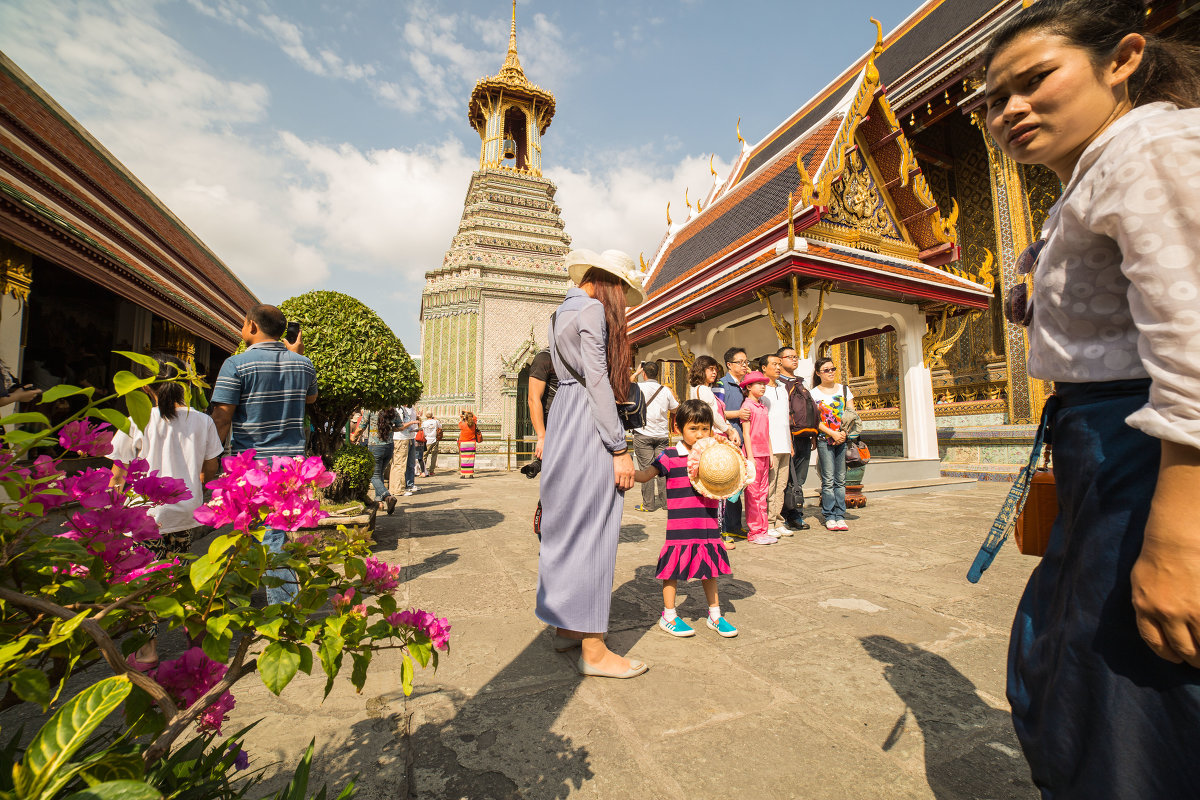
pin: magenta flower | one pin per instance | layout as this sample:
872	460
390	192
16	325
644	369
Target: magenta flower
380	577
250	495
437	629
39	476
90	488
188	677
86	439
340	601
161	490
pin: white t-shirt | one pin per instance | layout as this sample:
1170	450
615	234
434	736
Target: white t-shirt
833	398
431	427
175	448
404	415
657	413
779	424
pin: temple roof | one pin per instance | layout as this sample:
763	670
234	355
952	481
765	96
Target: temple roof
509	82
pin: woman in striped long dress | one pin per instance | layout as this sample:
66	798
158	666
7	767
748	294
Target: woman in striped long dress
586	466
468	437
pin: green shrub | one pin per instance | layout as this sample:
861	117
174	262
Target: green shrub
354	466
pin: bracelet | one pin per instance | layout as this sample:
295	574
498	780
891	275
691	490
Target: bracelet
621	452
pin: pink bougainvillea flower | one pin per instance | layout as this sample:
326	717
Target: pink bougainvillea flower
90	488
380	577
149	569
85	438
340	601
437	629
188	677
161	490
39	476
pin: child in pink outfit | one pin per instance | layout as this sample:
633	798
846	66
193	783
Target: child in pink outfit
757	441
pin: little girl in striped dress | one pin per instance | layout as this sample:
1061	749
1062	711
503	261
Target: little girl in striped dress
693	548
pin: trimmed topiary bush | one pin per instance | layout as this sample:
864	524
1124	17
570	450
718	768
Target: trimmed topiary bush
360	364
353	465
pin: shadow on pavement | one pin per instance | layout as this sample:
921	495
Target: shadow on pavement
436	561
634	533
961	731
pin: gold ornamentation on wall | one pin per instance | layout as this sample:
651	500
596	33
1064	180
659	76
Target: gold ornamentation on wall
856	201
16	279
685	355
783	328
937	341
808	328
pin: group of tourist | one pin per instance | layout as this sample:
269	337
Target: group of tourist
1105	648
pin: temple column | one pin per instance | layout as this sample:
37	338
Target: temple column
16	280
917	421
1014	232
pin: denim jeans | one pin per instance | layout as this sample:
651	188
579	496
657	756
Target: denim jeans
410	468
274	540
831	461
381	453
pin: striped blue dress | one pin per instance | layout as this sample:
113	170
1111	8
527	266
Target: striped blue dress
581	506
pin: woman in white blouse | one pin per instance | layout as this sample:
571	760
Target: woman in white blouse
1114	320
703	375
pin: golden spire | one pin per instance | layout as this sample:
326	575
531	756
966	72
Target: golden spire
739	132
512	63
711	168
876	51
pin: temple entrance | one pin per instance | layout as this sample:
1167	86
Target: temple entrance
524	427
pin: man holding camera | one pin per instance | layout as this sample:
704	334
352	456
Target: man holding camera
260	395
652	439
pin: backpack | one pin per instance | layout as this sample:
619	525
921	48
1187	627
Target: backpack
632	412
803	415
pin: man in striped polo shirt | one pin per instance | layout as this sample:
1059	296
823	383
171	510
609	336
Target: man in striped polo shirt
260	395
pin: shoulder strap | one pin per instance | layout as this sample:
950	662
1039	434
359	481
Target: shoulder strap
570	369
656	391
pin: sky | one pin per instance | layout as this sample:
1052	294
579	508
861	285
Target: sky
324	144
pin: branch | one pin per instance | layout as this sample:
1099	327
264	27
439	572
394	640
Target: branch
104	642
124	600
236	671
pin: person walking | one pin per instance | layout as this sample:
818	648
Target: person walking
402	476
737	365
468	437
377	427
832	400
802	421
178	442
775	398
1104	659
432	428
650	440
419	445
260	397
693	547
757	441
586	464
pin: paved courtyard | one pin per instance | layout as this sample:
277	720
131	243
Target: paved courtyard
867	666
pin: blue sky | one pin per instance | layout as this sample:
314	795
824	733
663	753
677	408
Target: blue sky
321	144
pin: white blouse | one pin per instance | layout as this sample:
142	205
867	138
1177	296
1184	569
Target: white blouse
1116	290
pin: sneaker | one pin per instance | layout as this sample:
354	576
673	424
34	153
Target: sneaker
722	627
780	532
730	544
831	525
642	507
408	493
761	538
676	627
842	526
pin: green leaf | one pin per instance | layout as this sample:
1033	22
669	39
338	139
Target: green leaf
66	732
25	418
126	382
112	417
306	660
32	686
330	653
387	604
112	766
118	790
421	651
139	406
149	362
297	789
358	676
20	439
203	570
222	543
278	664
216	647
64	390
406	675
165	606
271	629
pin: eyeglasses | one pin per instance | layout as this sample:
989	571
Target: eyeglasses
742	363
828	369
792	357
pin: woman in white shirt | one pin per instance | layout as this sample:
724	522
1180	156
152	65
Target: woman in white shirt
703	375
833	399
178	442
1114	319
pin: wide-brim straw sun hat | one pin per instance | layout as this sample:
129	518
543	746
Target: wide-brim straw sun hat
618	264
721	469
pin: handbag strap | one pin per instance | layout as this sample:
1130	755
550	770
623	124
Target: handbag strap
656	391
570	369
1014	503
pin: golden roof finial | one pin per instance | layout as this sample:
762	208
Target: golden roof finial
876	51
686	202
668	213
512	63
711	168
739	131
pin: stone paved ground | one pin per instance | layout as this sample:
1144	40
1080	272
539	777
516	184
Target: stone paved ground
867	666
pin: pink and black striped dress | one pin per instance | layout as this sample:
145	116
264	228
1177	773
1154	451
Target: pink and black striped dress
693	548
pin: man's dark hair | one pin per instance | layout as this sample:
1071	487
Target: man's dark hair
269	319
651	370
732	353
784	349
764	360
693	411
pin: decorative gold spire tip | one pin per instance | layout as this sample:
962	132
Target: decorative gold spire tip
739	131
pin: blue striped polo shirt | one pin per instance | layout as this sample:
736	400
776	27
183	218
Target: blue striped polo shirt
268	383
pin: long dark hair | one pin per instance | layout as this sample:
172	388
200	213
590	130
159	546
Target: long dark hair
610	291
696	375
1170	69
168	392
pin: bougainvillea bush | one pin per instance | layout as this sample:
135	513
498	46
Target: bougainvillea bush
74	591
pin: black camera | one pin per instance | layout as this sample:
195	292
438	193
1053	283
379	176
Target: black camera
532	469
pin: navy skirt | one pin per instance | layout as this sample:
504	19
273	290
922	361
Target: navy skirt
1097	713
